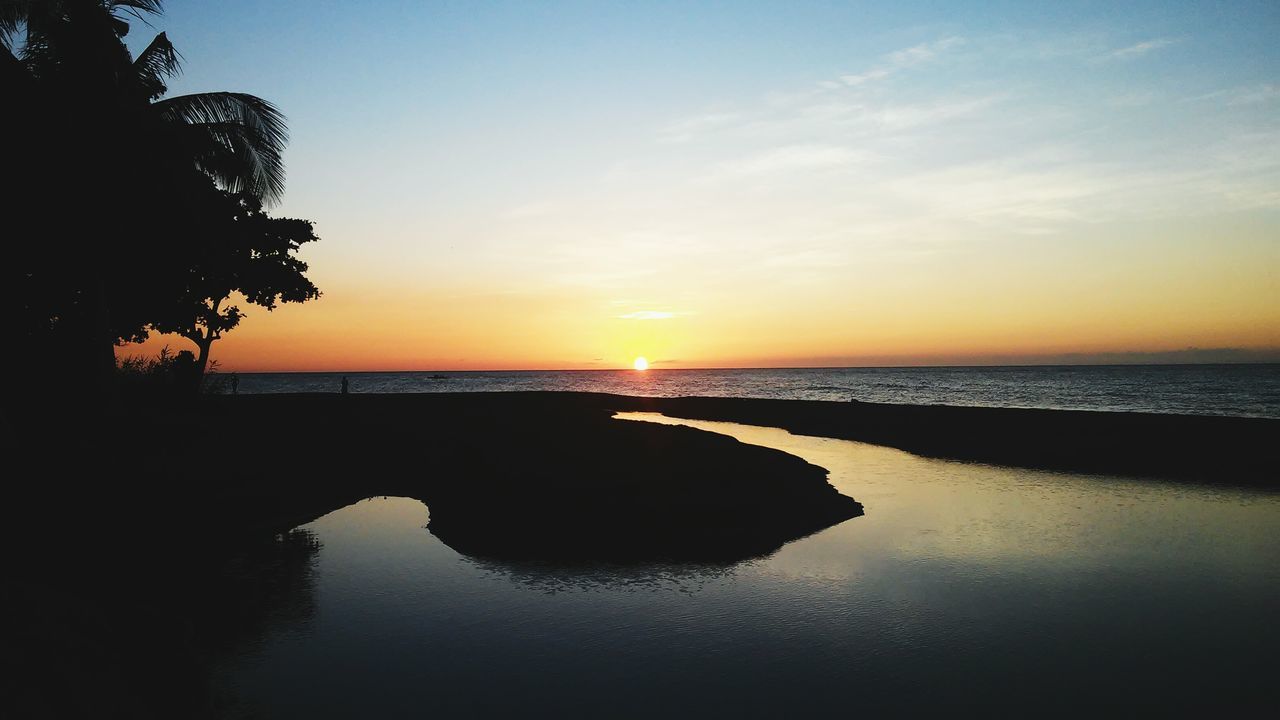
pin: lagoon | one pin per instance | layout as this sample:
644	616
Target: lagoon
964	586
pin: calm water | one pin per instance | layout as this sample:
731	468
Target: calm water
1245	390
962	586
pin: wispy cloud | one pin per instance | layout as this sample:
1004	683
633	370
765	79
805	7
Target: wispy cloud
687	129
887	166
648	315
863	78
1257	94
1247	95
1017	194
901	117
795	157
1140	49
923	52
787	114
897	60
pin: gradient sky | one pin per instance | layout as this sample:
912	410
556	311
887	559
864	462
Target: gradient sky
570	185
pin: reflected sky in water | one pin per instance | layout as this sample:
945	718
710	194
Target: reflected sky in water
963	586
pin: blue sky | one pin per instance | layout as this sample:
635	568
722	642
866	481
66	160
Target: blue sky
1111	170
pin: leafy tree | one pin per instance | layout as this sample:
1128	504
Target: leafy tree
112	175
247	252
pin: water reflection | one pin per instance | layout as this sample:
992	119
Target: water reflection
979	514
648	577
263	590
266	586
965	587
381	534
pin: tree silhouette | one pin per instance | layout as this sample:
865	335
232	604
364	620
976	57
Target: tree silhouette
250	253
75	49
113	175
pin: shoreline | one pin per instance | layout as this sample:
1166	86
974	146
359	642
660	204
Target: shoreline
1239	390
151	536
1211	449
181	499
761	367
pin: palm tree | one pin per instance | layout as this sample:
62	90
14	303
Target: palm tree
236	139
115	172
77	45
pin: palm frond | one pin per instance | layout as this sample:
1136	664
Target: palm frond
15	15
153	7
11	19
247	131
136	8
228	154
10	65
159	61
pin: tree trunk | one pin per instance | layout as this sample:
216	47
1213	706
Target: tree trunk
204	341
202	360
104	343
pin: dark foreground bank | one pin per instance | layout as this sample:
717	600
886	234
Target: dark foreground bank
142	543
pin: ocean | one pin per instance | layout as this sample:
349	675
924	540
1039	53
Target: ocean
1239	390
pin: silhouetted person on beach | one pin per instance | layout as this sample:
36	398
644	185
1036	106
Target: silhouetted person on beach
235	384
345	386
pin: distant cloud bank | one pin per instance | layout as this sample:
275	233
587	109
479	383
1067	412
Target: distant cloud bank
1186	356
1174	357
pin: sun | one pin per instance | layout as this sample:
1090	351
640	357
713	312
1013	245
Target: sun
641	363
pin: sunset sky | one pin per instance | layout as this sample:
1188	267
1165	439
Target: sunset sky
571	185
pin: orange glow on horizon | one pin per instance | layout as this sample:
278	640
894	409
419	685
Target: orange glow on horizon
976	317
856	204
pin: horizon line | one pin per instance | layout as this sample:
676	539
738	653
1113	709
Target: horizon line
763	367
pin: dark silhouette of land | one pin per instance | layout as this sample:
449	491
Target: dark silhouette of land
139	543
529	476
1200	448
146	538
147	529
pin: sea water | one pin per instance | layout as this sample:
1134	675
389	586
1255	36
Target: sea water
1242	390
964	587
